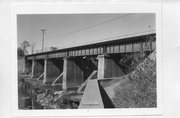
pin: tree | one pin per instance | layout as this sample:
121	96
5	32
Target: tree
20	52
25	45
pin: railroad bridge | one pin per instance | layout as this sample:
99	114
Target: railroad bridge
72	67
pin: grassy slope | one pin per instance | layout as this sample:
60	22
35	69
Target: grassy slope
137	89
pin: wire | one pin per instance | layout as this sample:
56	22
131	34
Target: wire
124	36
89	27
116	37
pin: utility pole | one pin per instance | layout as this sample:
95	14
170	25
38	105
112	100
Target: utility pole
43	32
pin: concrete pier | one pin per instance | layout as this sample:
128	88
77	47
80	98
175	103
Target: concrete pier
108	67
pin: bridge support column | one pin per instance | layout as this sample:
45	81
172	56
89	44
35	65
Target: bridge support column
101	66
72	74
108	67
32	68
45	71
64	84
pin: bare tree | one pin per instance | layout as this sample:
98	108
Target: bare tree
25	45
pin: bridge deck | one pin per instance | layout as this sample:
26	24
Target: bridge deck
125	45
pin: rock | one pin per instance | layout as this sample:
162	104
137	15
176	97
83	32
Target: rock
40	96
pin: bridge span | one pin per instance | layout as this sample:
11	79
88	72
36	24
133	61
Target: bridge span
71	67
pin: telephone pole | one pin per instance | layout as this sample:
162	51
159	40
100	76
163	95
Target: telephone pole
43	32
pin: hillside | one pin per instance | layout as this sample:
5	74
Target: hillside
135	90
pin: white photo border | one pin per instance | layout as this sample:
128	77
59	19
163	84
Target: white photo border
74	8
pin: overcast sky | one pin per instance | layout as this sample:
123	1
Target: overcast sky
67	30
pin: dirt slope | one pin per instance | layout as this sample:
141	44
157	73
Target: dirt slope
137	89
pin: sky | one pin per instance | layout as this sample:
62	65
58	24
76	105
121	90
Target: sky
69	30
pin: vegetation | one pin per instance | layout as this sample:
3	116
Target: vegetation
22	50
24	46
45	97
136	89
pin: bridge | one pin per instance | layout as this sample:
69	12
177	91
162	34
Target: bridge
74	66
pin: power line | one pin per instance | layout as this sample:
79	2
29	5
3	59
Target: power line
119	36
86	28
125	35
89	27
